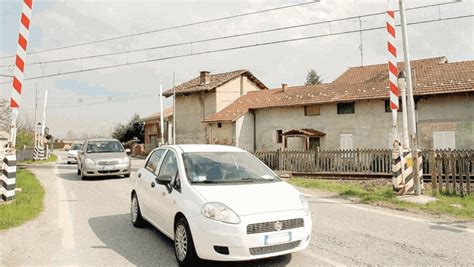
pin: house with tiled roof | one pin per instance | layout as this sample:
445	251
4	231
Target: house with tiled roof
152	128
352	111
205	95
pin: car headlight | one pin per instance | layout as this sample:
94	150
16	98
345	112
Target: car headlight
89	161
125	160
305	204
219	212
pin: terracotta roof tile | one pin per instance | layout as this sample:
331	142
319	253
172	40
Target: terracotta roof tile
156	116
195	85
430	76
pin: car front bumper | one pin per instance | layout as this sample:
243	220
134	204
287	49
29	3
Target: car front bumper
71	158
106	170
208	233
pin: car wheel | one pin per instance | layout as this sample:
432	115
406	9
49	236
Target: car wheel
183	244
78	171
126	175
68	162
135	213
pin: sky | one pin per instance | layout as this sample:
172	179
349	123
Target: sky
94	102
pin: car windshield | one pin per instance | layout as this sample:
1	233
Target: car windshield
225	167
104	147
75	147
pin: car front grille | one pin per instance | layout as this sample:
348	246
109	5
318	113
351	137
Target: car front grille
273	248
266	227
112	162
108	172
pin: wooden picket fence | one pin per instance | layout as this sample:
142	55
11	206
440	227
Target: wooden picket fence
370	161
452	171
448	171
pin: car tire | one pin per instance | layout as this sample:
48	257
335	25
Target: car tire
135	213
183	244
68	162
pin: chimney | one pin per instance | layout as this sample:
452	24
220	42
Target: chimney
284	86
205	77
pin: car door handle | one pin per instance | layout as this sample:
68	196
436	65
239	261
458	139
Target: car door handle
139	174
152	184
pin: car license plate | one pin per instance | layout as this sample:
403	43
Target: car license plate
277	238
108	168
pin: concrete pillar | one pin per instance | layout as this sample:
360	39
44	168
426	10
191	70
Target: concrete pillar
8	176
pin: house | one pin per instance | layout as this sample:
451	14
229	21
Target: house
207	94
353	111
153	129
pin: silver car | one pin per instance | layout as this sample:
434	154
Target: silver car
72	153
103	157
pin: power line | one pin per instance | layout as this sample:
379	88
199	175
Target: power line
236	48
168	28
225	37
100	103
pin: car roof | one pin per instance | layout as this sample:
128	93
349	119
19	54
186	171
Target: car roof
205	148
102	139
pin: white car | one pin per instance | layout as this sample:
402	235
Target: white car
72	153
219	203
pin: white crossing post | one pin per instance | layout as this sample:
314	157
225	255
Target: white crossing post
411	102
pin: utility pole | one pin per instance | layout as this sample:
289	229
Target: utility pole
174	110
44	123
36	118
403	86
162	129
411	102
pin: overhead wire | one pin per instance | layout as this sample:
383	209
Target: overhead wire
257	44
168	28
221	37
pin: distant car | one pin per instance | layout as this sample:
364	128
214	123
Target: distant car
219	203
72	153
103	157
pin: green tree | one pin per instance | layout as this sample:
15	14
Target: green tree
133	129
312	77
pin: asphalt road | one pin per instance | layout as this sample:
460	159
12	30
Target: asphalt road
87	223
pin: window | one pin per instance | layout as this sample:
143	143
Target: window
313	110
314	143
444	140
279	136
154	160
346	108
346	141
169	165
219	125
387	105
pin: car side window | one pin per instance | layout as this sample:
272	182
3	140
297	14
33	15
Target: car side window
169	166
154	160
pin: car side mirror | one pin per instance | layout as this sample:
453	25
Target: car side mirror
128	150
163	179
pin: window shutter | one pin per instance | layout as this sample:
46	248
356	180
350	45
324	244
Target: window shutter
346	141
444	140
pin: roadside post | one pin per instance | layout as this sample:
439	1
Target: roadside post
8	176
397	153
411	104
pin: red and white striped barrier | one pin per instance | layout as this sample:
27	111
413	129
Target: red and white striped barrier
8	174
392	58
20	60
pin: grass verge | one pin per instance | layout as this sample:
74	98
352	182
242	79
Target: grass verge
52	158
383	195
27	204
